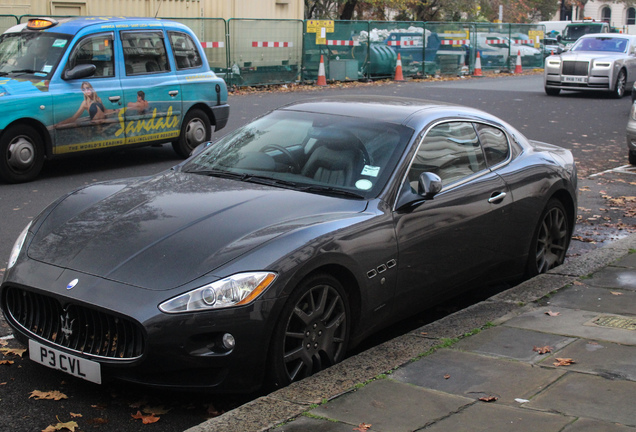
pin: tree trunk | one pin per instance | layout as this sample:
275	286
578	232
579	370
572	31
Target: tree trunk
348	9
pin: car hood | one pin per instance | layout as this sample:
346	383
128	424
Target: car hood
22	87
168	230
589	56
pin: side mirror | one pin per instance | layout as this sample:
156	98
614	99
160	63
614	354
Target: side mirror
558	38
429	185
79	71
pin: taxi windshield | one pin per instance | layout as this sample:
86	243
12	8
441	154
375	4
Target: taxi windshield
31	53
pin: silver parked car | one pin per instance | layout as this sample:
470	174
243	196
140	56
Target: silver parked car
602	61
631	134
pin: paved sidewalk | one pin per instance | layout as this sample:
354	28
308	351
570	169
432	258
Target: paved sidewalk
449	376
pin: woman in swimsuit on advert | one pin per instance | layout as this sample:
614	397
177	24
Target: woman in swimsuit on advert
91	103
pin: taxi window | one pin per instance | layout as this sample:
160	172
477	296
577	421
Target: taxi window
185	51
96	50
144	52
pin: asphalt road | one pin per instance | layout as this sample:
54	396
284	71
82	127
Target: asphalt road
591	125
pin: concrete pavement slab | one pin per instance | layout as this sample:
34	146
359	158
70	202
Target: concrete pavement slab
513	343
589	396
609	360
587	425
304	424
499	418
391	406
476	376
614	277
594	299
574	323
627	261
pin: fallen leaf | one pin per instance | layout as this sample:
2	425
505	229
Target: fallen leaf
363	427
488	398
13	351
69	426
3	343
616	293
563	362
447	376
6	362
54	395
97	421
553	314
542	350
145	419
76	415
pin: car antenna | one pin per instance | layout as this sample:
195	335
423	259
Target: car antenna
158	7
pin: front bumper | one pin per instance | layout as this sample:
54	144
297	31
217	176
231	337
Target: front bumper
591	78
181	351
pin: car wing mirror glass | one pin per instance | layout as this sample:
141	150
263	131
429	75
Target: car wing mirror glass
429	185
80	71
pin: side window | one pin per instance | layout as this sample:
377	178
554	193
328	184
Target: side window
144	52
96	50
185	51
494	143
450	150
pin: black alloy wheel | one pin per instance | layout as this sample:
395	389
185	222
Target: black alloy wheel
313	331
551	239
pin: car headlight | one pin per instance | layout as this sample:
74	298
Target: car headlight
632	113
554	62
17	246
235	290
602	64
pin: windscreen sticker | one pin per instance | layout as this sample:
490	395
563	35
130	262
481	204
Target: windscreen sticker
371	171
364	184
47	68
59	43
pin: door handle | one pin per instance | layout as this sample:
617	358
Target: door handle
173	92
114	99
496	197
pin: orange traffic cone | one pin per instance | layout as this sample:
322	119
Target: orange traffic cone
518	66
477	71
398	70
322	79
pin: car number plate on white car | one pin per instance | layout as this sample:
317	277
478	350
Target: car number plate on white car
576	79
76	366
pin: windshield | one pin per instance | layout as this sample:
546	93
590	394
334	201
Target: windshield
606	44
317	153
31	53
572	33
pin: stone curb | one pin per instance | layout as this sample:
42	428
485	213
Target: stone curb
288	403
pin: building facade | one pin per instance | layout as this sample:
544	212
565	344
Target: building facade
266	9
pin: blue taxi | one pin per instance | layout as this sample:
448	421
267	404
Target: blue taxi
85	84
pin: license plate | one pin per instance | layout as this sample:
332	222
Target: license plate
72	365
575	79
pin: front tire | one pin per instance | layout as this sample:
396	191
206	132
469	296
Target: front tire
632	157
21	154
195	130
552	91
550	240
312	332
619	88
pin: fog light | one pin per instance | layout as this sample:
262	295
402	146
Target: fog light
228	341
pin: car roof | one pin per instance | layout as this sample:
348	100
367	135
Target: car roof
407	111
72	25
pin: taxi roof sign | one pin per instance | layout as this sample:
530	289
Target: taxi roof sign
40	23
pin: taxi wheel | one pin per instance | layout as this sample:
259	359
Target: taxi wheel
195	130
22	154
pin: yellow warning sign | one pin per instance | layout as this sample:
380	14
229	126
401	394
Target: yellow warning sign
314	26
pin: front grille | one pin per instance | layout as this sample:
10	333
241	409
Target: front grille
575	68
75	327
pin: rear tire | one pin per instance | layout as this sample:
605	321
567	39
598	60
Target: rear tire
550	240
632	157
312	332
21	154
195	130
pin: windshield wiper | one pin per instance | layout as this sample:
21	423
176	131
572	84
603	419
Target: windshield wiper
270	181
24	71
328	190
219	173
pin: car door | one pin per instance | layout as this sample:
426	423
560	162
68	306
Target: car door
152	93
460	234
86	110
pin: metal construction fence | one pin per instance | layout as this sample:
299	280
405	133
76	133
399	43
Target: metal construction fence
251	52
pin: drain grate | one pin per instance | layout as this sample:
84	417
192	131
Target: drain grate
616	322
